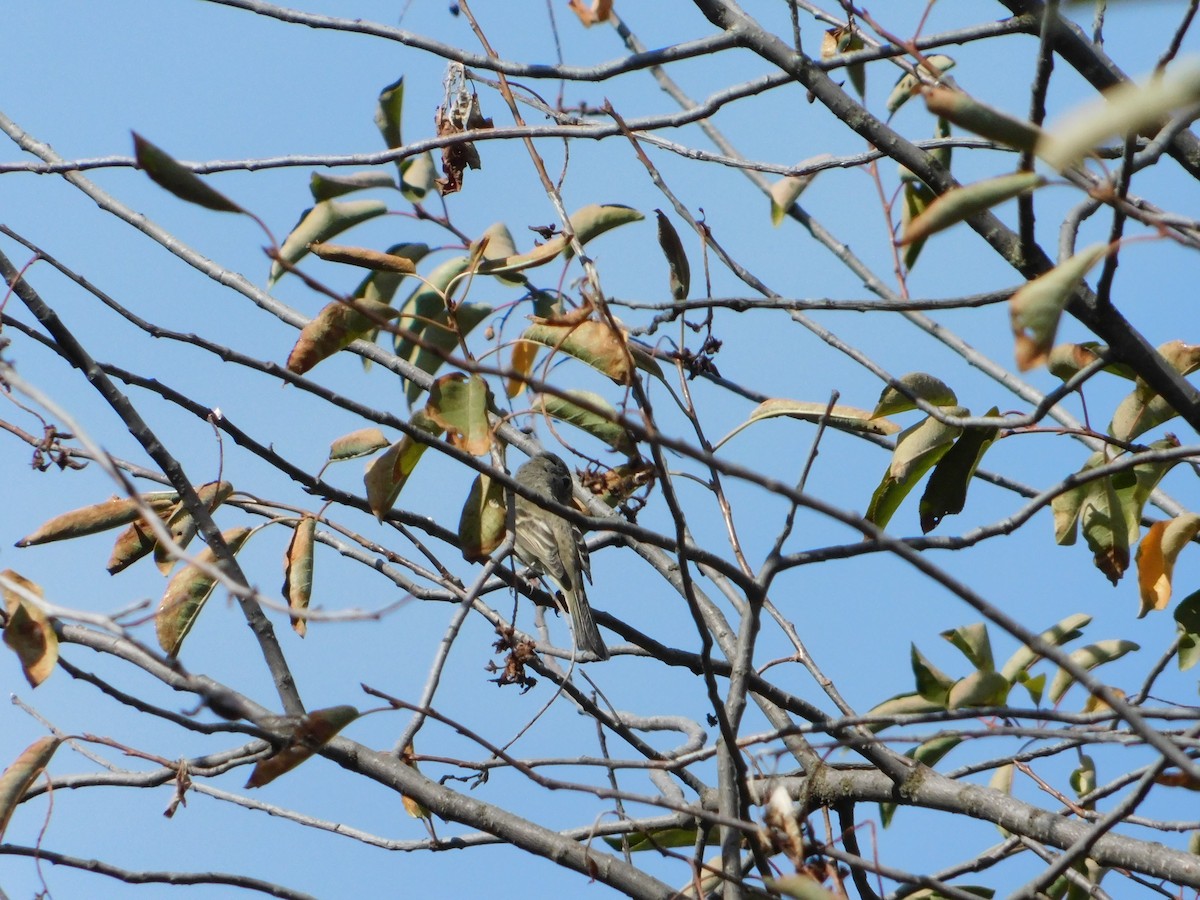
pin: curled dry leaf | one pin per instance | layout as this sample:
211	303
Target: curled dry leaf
20	776
364	257
187	593
298	571
29	632
310	734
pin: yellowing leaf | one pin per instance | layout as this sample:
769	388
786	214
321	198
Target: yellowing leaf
29	632
959	204
1144	409
917	384
20	776
1036	307
459	404
1126	109
978	118
298	571
1156	557
187	593
592	342
182	527
310	734
524	354
387	474
363	442
481	526
1064	632
785	192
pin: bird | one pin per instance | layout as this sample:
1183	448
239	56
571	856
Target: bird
554	547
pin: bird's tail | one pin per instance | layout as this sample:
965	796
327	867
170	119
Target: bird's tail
587	635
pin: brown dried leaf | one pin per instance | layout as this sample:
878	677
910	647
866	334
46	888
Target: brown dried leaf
29	632
311	733
298	571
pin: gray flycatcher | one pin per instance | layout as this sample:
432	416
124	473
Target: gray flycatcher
554	547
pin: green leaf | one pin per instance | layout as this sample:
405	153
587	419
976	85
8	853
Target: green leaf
661	838
843	418
1037	306
908	83
677	261
982	688
918	448
1064	632
327	187
902	705
363	442
167	173
481	525
932	683
605	428
1144	408
586	223
946	492
439	343
916	384
387	113
974	643
1083	779
917	199
978	118
425	307
1187	622
1111	512
323	221
1089	657
417	177
959	204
